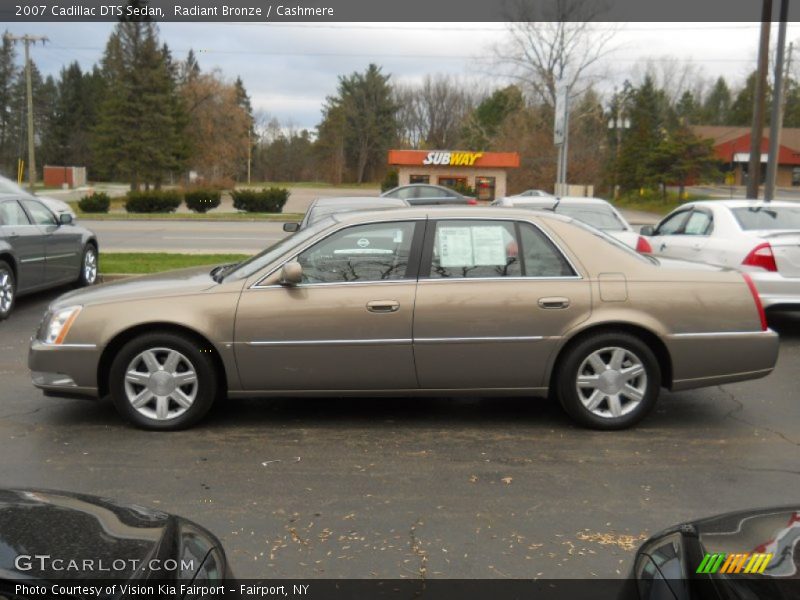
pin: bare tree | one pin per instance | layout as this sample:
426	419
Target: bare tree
555	41
673	75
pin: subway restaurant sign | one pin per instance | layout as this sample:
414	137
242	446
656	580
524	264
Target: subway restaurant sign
453	158
466	159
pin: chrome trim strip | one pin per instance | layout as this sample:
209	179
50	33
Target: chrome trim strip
363	342
71	254
717	334
31	260
458	340
477	279
42	344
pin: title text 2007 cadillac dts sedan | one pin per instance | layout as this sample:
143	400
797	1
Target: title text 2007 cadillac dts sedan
413	301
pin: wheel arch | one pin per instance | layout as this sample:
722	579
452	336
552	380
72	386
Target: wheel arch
653	341
8	257
126	335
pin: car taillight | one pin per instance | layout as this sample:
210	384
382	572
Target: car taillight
643	246
472	201
761	256
757	299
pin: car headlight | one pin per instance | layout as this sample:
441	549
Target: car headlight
58	324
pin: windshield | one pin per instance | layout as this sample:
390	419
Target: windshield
599	216
772	217
270	254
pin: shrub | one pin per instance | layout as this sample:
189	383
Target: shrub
202	199
391	181
464	189
153	201
266	200
95	203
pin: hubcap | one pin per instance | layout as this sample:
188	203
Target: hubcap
161	383
90	266
611	382
6	291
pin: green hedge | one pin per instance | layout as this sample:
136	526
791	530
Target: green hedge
96	203
202	200
153	201
266	200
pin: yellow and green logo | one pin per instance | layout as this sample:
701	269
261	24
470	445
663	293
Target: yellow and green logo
745	562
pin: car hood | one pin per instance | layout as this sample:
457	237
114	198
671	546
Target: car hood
69	526
169	283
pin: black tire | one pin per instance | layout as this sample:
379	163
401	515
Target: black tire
602	346
86	276
8	290
161	344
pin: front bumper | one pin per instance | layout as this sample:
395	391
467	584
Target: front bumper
775	290
67	370
714	358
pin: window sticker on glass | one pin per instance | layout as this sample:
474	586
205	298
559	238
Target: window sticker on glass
488	245
398	236
455	247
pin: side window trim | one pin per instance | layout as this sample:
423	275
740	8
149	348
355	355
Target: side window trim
412	270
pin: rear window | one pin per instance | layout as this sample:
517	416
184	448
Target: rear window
601	217
773	217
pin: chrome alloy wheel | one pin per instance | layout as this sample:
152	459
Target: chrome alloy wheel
90	265
611	382
6	291
161	383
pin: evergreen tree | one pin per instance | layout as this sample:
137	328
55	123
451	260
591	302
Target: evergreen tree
687	110
8	156
139	133
717	105
484	122
741	112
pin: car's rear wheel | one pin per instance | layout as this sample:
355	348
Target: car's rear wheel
163	381
608	381
8	289
89	262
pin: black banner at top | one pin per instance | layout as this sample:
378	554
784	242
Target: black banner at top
255	11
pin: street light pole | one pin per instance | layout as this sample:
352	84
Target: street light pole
27	40
776	121
756	132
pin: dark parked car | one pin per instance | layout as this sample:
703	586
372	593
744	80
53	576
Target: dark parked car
426	194
324	207
39	250
49	536
741	555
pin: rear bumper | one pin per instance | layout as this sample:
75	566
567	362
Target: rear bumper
775	290
68	371
714	358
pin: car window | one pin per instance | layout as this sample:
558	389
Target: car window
403	193
373	252
475	249
434	192
672	224
11	214
660	570
699	223
597	215
773	217
540	256
40	214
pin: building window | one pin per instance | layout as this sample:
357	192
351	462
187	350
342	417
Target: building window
453	182
484	188
419	179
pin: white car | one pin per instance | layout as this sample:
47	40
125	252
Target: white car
757	237
59	207
532	194
593	211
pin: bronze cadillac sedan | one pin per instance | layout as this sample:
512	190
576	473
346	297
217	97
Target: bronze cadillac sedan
418	301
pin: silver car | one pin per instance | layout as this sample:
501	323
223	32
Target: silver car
325	207
39	250
760	238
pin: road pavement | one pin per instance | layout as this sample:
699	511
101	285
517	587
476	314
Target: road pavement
428	487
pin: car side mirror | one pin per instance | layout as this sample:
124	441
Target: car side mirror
648	230
291	227
65	219
291	274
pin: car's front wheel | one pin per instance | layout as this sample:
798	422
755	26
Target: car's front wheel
163	381
8	289
89	262
609	381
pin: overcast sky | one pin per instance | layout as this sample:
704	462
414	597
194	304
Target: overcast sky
289	69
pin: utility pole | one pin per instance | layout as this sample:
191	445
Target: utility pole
28	40
756	132
776	122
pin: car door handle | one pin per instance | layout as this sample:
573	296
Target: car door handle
554	302
383	306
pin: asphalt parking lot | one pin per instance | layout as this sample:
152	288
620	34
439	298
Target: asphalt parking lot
484	488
